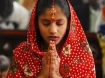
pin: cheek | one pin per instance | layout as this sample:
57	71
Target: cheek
41	28
43	32
63	31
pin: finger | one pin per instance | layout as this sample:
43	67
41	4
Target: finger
58	59
53	57
44	59
51	45
43	62
54	48
50	49
48	60
55	51
49	57
52	60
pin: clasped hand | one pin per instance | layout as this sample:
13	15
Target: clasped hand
50	63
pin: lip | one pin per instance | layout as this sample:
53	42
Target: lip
53	38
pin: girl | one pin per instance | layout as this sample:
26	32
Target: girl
56	45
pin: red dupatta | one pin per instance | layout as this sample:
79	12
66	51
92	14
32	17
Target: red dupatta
76	57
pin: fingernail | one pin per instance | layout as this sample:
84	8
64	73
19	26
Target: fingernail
53	42
51	47
50	42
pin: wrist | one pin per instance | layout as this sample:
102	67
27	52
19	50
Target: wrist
40	75
57	75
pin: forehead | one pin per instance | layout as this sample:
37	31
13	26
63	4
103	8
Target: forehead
47	12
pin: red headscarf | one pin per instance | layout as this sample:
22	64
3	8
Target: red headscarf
76	57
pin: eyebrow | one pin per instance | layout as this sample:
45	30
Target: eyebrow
60	19
45	20
50	20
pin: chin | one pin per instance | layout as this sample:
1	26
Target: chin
57	42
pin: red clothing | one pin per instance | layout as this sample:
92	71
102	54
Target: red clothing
103	12
76	56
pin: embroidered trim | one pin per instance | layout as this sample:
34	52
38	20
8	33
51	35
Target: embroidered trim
66	50
27	71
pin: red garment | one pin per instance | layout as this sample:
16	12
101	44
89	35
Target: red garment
76	57
103	12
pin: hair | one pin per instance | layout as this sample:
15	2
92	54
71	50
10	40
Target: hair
4	63
6	8
43	5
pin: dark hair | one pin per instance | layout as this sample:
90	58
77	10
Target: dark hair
41	7
43	4
6	8
4	63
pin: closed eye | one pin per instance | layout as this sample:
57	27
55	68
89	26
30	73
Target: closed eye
60	22
45	22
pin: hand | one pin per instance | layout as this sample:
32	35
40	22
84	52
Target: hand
45	66
54	62
50	63
45	72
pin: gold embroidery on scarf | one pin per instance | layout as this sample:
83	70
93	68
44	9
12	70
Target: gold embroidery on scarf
66	50
27	71
78	61
66	66
24	48
13	67
84	44
73	27
64	69
88	76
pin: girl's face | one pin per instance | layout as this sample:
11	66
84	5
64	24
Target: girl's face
52	30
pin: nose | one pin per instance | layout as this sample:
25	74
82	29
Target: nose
53	29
